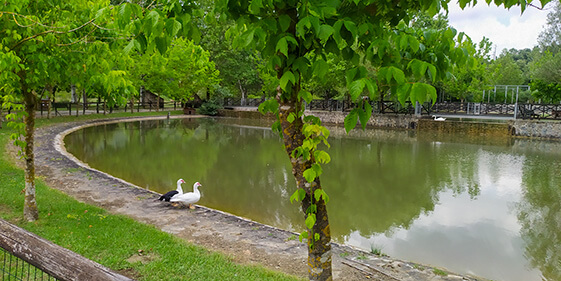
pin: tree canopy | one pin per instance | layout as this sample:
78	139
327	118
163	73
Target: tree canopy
384	54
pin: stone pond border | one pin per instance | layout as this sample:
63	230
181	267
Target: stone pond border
245	241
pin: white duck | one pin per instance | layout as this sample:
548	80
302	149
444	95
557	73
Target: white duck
170	194
438	118
189	197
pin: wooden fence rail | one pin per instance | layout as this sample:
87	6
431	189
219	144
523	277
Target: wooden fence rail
58	262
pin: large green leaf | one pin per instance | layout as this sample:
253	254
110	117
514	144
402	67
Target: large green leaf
413	43
161	44
364	114
310	175
129	47
282	46
124	15
324	32
320	68
303	25
247	37
270	105
397	74
403	92
298	195
306	95
351	119
419	68
287	77
255	6
351	27
302	64
432	72
172	27
154	17
421	92
356	88
317	168
350	75
284	22
310	221
372	89
320	193
322	156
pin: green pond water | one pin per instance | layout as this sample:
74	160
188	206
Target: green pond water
490	208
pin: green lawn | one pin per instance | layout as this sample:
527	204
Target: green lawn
113	239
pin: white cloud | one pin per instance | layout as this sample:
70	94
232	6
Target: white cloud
505	28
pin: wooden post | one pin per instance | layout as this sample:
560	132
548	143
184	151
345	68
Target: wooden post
57	261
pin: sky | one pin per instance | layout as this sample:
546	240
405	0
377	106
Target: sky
505	28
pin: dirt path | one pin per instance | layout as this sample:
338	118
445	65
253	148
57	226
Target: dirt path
243	240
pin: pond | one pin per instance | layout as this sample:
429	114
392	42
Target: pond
491	208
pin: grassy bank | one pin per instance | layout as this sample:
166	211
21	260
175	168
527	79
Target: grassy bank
118	242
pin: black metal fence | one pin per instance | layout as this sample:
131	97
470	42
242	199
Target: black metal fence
14	268
69	108
523	111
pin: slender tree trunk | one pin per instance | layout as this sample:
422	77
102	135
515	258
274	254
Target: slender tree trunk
319	252
51	102
242	102
158	103
30	212
73	93
77	104
85	101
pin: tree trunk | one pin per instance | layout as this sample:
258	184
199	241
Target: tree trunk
30	212
132	105
85	101
242	102
319	252
158	103
50	103
77	103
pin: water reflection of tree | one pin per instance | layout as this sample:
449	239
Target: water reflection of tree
395	182
233	162
160	151
539	214
390	174
253	177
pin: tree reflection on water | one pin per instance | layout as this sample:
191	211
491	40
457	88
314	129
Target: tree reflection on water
430	189
539	214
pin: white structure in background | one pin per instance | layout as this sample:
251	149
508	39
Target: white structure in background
505	89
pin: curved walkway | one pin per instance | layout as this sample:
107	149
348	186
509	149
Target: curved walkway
242	239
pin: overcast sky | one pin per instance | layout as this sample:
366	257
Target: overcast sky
505	28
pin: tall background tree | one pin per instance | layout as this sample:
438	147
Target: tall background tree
546	68
550	38
36	34
385	55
